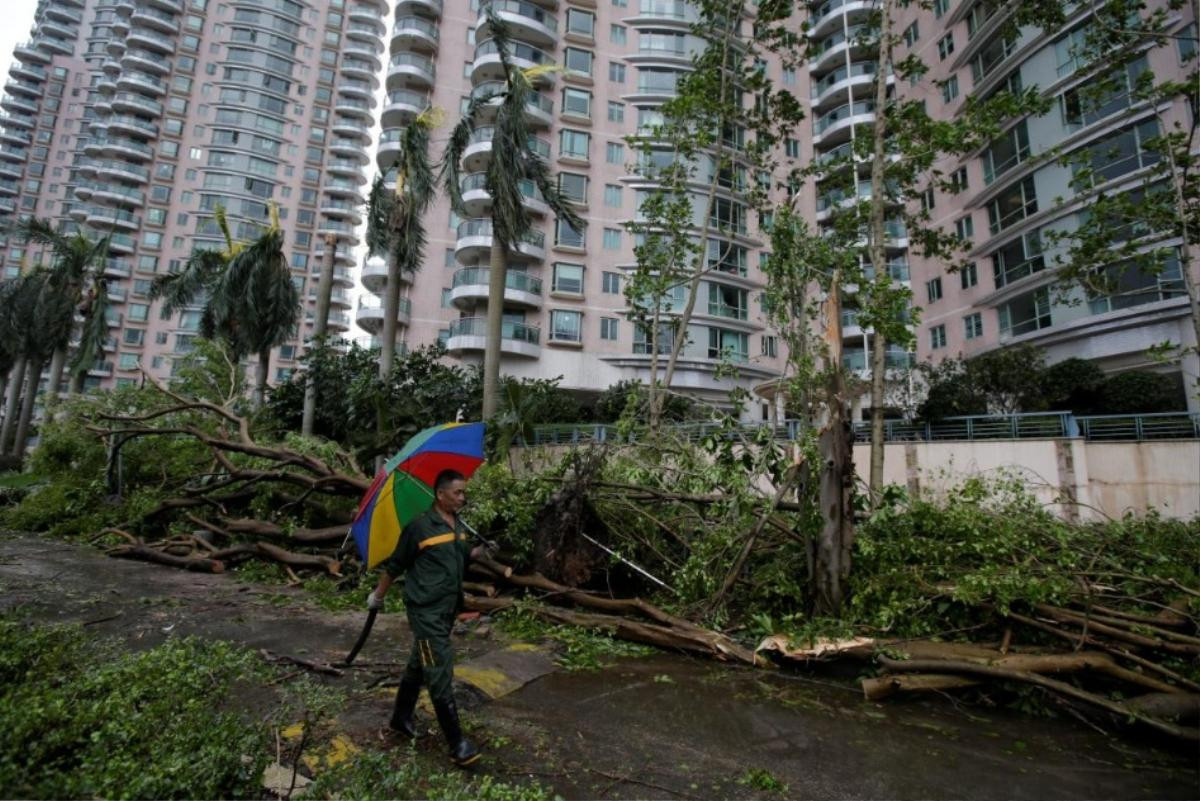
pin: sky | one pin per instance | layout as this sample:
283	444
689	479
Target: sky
18	19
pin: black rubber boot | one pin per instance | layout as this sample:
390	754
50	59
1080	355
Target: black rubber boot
406	702
461	750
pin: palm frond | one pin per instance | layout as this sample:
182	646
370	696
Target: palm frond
200	272
94	333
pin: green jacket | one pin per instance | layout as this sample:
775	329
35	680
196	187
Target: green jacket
434	557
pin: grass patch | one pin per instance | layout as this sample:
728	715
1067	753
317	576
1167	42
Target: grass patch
762	779
579	648
80	719
401	774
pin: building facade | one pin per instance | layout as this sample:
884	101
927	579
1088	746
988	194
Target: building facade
139	118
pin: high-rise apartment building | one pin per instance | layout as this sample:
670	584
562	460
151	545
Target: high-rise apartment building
619	62
139	118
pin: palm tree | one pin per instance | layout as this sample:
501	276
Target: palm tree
395	225
78	265
512	162
251	301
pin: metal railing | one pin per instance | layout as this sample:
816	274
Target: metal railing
1037	425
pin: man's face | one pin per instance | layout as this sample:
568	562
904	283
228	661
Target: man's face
453	497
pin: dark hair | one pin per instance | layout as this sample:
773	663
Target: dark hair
446	478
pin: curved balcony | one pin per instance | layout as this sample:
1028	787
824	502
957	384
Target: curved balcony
142	81
343	277
138	59
516	339
374	275
339	321
341	209
354	107
347	168
18	121
525	19
474	242
338	297
114	193
19	105
414	32
28	72
16	86
342	188
365	12
539	107
341	255
344	126
15	137
119	170
125	147
106	218
348	148
831	51
834	89
14	154
402	106
122	243
10	188
833	128
411	69
430	8
470	286
356	87
364	52
130	125
370	314
675	14
368	30
12	172
828	16
487	65
478	151
133	102
360	69
145	16
57	28
477	200
167	5
55	46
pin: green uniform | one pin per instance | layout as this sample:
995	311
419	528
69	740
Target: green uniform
434	557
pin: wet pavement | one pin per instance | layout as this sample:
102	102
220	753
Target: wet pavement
663	726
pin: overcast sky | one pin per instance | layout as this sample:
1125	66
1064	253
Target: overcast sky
14	29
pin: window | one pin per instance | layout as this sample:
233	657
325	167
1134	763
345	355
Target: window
1103	96
911	34
133	336
973	325
940	7
1006	152
789	76
566	235
1128	284
566	326
616	111
612	238
446	302
770	346
610	283
573	144
127	361
792	148
933	288
139	312
969	276
573	186
1120	153
567	278
731	345
578	62
1013	205
937	337
958	179
608	328
927	199
614	153
950	89
945	46
612	196
1019	258
581	23
577	102
1026	313
616	34
616	72
965	228
641	339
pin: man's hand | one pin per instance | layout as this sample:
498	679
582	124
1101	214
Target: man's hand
374	601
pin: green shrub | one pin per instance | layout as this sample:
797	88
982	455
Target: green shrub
80	720
401	775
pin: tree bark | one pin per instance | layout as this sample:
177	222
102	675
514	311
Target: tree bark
75	385
324	294
33	378
261	371
12	406
57	364
878	254
497	276
831	551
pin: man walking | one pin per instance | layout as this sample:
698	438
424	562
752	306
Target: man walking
433	550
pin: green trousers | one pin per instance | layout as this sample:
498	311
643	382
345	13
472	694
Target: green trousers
432	659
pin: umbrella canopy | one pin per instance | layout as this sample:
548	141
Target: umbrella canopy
403	488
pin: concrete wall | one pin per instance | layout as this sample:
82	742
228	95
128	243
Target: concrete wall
1103	478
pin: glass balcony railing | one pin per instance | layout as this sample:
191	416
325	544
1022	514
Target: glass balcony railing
513	279
417	24
518	50
523	9
510	329
484	228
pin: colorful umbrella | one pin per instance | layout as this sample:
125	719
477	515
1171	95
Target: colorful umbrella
403	488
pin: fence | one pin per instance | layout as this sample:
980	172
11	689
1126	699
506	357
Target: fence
1039	425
